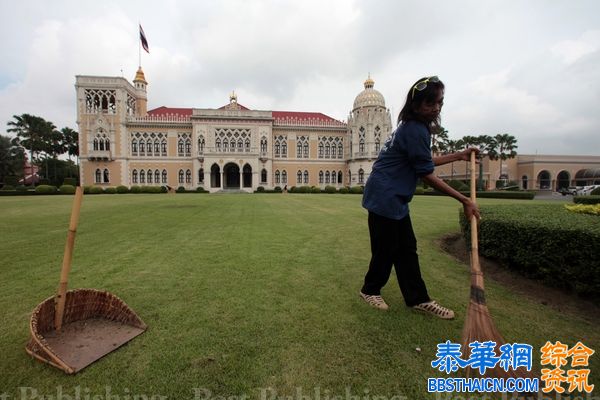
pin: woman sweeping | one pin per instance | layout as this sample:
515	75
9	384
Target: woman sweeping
405	157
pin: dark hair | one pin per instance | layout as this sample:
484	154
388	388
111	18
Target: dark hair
415	98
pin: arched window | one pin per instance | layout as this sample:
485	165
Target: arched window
361	176
340	150
320	150
327	177
263	145
201	175
156	176
247	144
340	177
377	145
142	176
142	147
305	176
277	149
284	177
284	149
107	144
299	177
180	180
327	153
361	145
106	176
263	176
149	176
98	176
134	176
333	177
163	148
320	176
134	147
201	144
218	144
299	149
240	145
180	147
188	176
305	146
188	147
95	144
164	176
277	177
225	145
156	147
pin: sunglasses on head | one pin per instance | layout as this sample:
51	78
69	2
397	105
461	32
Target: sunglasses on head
421	85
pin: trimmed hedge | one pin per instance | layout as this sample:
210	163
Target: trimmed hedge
46	189
596	192
110	190
96	190
586	199
122	189
545	242
67	189
521	195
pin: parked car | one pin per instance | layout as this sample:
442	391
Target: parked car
586	190
571	190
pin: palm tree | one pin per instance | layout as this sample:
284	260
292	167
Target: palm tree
452	146
12	157
439	140
32	132
506	146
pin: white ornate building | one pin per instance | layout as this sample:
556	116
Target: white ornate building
232	147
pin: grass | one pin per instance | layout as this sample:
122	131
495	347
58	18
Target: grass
246	294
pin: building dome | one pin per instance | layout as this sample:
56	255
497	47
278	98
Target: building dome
369	96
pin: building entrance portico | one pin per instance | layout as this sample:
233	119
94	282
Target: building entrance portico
231	176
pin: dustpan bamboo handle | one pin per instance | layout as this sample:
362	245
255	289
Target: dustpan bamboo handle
67	257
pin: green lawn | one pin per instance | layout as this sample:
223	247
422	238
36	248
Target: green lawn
246	294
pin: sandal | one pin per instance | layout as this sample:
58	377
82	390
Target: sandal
374	301
433	308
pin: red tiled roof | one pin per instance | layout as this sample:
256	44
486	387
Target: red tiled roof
277	115
298	115
170	111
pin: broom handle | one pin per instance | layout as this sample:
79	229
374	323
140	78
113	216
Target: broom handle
475	267
67	257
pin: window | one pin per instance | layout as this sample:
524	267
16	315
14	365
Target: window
361	145
284	149
320	176
180	148
142	147
180	176
163	148
201	175
157	176
188	147
284	177
327	177
98	176
95	144
305	176
340	177
299	177
277	149
277	177
247	144
320	150
134	176
188	176
305	146
201	144
149	176
156	147
361	176
164	176
142	176
218	144
263	145
134	147
263	176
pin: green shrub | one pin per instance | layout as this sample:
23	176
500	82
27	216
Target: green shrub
544	241
344	190
135	189
181	189
122	189
96	190
8	187
46	189
586	199
292	189
200	189
458	185
595	192
315	189
277	189
151	189
22	188
67	189
70	181
329	189
260	189
356	190
110	190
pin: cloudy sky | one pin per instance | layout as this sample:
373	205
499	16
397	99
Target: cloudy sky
527	68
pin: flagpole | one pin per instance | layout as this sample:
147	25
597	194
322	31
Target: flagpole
139	46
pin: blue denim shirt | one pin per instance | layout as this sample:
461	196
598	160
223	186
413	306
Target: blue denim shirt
404	157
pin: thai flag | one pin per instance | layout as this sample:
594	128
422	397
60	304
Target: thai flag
144	40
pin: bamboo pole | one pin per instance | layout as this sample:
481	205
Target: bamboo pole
67	258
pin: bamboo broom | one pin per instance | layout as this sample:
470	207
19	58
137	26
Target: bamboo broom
479	325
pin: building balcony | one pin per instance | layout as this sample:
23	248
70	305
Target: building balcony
263	156
100	155
362	154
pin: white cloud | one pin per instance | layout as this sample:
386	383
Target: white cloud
571	51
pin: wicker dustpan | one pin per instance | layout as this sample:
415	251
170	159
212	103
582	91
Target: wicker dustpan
77	327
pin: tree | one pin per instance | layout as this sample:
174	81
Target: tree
452	146
439	140
33	133
12	157
71	142
505	148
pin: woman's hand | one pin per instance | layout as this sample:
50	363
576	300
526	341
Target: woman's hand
471	209
465	155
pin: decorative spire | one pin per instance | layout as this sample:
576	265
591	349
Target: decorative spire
232	97
369	83
139	76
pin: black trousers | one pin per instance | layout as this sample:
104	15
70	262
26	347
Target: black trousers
393	242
